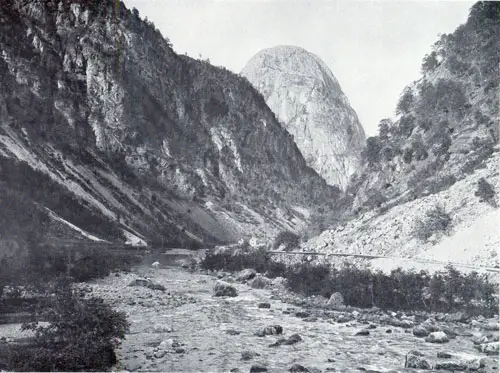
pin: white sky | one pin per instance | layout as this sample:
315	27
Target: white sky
374	48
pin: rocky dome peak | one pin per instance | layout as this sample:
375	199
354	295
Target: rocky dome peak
306	97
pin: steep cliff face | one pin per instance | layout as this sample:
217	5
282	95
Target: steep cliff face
96	106
308	100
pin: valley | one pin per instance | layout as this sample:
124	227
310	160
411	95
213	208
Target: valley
162	213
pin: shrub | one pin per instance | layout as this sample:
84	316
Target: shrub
440	183
408	155
436	220
485	192
309	279
445	291
81	263
287	238
81	335
259	259
375	198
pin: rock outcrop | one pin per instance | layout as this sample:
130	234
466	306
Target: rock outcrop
305	96
122	140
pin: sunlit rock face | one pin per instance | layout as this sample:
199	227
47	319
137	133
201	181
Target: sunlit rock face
305	96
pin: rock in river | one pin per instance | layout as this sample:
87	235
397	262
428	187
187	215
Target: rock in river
437	337
270	330
416	360
260	282
223	289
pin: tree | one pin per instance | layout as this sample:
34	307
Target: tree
384	128
430	62
405	102
371	153
436	220
418	147
287	238
485	192
406	125
440	139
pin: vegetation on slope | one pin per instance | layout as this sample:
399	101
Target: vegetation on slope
446	122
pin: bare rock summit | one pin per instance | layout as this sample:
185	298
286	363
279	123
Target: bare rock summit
306	97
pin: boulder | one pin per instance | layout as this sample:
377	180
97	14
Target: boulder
223	289
405	324
444	355
246	274
222	274
159	354
155	286
302	314
420	331
264	305
140	282
363	332
449	332
461	364
491	348
456	317
294	338
344	318
417	361
298	368
415	352
437	337
260	282
256	368
336	301
430	326
147	283
279	282
491	326
270	330
160	328
477	340
248	355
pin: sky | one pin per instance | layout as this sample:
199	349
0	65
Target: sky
374	48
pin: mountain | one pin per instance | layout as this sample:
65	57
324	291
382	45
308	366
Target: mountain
106	134
447	121
305	96
429	184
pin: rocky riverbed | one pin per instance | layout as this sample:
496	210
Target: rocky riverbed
178	325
